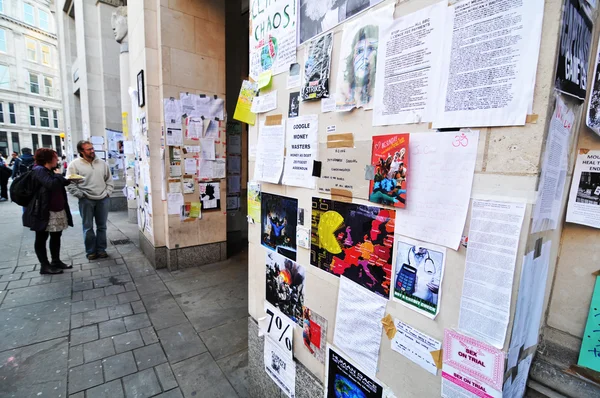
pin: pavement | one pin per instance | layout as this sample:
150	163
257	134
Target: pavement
117	327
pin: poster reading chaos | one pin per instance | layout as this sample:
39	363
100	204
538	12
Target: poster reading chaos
272	36
279	216
353	240
346	380
285	285
390	162
317	68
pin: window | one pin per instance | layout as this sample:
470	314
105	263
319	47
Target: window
44	20
16	146
32	116
28	14
48	86
3	143
1	113
46	60
55	117
31	50
44	119
34	85
11	113
4	77
36	143
58	146
2	40
2	6
46	141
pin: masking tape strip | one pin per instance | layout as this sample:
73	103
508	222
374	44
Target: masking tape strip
341	195
345	140
430	126
583	151
532	118
437	357
388	326
273	120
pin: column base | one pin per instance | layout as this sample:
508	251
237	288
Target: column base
132	215
118	203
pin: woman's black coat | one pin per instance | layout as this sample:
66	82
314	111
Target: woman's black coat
37	213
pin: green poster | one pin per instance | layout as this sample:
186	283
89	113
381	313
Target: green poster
589	356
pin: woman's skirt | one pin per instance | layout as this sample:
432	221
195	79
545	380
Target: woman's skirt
58	221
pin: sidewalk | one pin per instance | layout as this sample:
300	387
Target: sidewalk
116	327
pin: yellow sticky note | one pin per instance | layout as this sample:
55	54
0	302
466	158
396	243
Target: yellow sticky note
264	79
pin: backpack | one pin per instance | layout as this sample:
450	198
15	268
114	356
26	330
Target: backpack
25	165
23	189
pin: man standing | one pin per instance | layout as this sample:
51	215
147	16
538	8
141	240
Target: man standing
93	193
22	164
5	173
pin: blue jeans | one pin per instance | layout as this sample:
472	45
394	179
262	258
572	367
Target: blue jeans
89	210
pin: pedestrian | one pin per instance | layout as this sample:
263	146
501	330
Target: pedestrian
5	173
13	158
64	165
23	164
93	193
48	212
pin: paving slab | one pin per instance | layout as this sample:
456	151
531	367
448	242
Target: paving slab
201	376
142	384
128	341
85	376
181	342
36	294
119	365
227	339
149	356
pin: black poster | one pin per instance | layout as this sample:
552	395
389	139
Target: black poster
574	50
294	104
346	380
316	68
279	215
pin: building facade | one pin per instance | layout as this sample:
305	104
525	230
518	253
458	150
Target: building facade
31	114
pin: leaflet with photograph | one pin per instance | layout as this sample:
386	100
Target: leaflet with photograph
317	68
584	199
389	159
593	111
345	379
314	333
284	285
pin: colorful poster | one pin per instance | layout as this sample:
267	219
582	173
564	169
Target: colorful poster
243	107
471	368
589	355
418	275
353	240
317	68
314	333
344	379
285	285
279	216
389	159
253	202
210	195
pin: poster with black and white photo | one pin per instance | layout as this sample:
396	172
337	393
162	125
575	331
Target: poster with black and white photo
294	104
593	112
574	50
317	68
317	16
342	375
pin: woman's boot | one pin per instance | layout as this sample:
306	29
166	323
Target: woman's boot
46	268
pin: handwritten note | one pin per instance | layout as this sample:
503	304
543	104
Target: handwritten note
441	176
589	356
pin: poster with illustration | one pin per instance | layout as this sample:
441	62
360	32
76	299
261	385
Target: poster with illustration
279	216
253	202
210	195
285	285
243	108
418	274
354	240
344	379
389	159
314	333
317	68
355	85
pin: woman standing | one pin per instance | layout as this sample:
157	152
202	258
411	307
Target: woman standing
48	211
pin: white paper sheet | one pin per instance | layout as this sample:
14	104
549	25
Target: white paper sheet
554	169
174	137
174	170
175	186
302	150
219	168
490	266
195	127
515	388
278	327
188	185
173	113
280	367
502	80
264	103
212	131
190	165
97	140
269	153
188	104
327	104
408	67
293	79
358	324
415	346
174	203
207	148
437	207
192	148
530	302
128	147
584	198
216	109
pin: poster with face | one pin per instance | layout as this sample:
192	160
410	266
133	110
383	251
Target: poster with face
317	69
389	159
210	195
279	216
353	240
285	285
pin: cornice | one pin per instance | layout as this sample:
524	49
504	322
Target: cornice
27	26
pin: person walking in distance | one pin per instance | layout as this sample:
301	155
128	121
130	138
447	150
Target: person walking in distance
93	193
22	164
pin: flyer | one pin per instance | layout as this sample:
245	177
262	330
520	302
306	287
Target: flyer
415	345
344	379
279	217
284	286
418	275
279	327
280	368
389	159
341	166
270	153
243	107
253	202
210	195
188	184
471	368
317	68
355	241
302	149
314	333
593	111
584	199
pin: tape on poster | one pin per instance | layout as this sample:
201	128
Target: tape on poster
437	357
388	326
273	120
532	118
341	195
345	140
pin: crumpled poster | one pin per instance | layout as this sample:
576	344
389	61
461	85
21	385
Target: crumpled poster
317	68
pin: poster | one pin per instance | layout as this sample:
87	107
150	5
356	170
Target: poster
438	207
471	368
408	66
584	199
302	148
210	195
574	49
355	241
270	153
293	80
174	137
253	201
355	85
593	111
272	36
344	379
264	102
194	128
280	368
279	327
188	184
415	345
294	105
496	89
589	354
314	333
514	386
285	285
317	68
279	216
243	107
340	168
494	234
317	16
418	275
172	113
389	158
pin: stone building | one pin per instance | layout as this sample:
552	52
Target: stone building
30	82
